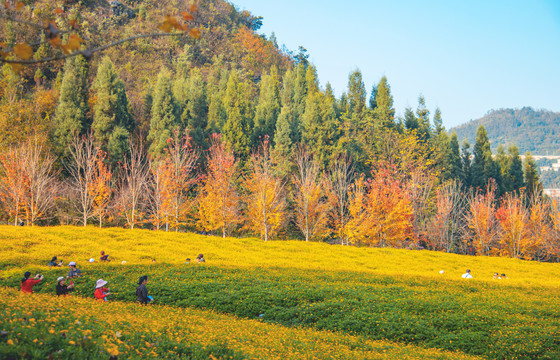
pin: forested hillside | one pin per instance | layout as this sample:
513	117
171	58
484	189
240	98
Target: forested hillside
218	129
532	130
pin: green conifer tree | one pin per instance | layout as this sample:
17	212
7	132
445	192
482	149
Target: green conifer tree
238	127
112	122
423	116
384	112
530	172
268	107
164	121
71	113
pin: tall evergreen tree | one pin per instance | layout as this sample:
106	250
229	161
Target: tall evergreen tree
453	161
438	122
467	164
71	113
504	163
190	95
216	89
238	126
164	121
410	120
384	112
112	123
515	168
268	107
423	116
484	167
531	175
284	134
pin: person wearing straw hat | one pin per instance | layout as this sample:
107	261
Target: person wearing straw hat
101	292
62	288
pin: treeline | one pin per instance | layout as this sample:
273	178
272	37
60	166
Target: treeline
249	142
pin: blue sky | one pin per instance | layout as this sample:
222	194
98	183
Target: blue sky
466	57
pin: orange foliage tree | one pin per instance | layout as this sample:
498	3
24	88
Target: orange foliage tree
541	235
173	179
381	209
266	201
310	203
513	236
480	220
218	207
101	190
12	182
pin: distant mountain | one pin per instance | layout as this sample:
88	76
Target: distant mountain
537	131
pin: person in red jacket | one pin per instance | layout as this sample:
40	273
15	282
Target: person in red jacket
101	292
27	283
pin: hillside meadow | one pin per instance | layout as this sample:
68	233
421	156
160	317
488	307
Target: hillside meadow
357	294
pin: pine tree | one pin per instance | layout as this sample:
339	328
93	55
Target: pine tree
453	161
410	120
423	116
164	120
466	164
384	112
238	126
484	167
283	135
438	122
190	94
112	122
268	107
531	175
515	168
70	115
216	89
503	162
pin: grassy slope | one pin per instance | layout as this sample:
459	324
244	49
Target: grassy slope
380	293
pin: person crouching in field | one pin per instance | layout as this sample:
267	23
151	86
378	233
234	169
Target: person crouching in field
27	283
142	292
101	292
54	263
467	275
62	288
104	257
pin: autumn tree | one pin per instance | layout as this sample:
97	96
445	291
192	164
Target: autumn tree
12	181
541	221
341	177
381	209
41	180
101	189
266	198
480	220
218	205
310	204
443	229
173	180
133	185
512	216
81	167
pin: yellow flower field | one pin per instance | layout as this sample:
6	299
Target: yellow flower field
131	330
36	245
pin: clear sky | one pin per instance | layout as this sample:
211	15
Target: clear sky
466	57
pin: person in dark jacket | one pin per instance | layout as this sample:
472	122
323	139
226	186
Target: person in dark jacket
54	262
62	288
141	291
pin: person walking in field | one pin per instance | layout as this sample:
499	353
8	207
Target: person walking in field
74	271
62	288
142	292
467	275
27	283
101	292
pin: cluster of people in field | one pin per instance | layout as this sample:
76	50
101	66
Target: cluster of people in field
101	290
468	275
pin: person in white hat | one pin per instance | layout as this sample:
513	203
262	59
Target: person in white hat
101	292
74	271
62	288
